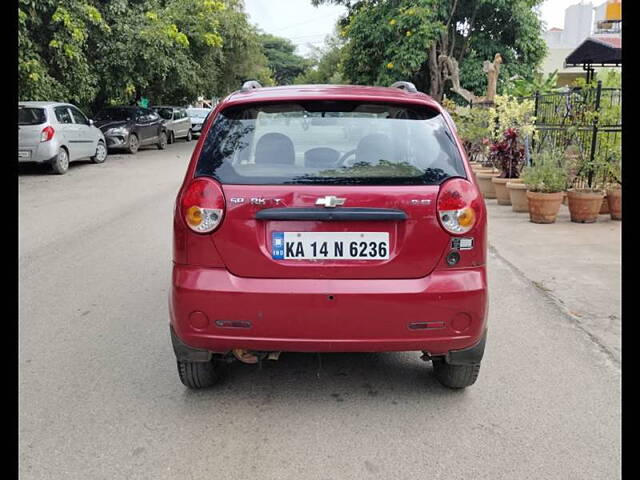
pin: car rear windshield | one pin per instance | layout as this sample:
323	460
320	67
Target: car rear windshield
330	143
198	112
31	116
165	113
115	114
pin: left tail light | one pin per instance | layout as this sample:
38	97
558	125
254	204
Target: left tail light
459	206
47	134
202	205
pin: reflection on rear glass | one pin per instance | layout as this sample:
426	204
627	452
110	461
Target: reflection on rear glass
330	143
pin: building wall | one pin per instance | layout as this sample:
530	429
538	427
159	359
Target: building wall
578	21
578	25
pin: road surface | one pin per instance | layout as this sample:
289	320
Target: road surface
100	396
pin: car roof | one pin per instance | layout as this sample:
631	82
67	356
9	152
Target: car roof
43	104
121	107
329	92
164	106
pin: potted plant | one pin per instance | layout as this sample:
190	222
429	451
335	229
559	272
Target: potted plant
545	182
604	208
584	196
513	119
571	155
486	186
614	188
508	156
518	195
614	199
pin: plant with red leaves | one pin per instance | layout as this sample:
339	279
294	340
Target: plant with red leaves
507	155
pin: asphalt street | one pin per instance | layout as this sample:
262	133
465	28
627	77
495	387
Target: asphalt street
100	398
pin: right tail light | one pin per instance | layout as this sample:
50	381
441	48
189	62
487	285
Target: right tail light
459	206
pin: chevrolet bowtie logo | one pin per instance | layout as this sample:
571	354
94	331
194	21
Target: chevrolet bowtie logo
330	201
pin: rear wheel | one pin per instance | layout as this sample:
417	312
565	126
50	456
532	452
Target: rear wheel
197	375
162	143
189	136
455	376
60	164
133	144
172	138
101	153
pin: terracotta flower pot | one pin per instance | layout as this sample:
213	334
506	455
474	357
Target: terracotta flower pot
584	205
614	198
477	170
502	194
518	196
485	184
604	208
543	207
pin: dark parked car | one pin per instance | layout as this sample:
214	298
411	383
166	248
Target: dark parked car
129	128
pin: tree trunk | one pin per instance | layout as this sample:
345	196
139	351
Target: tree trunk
434	74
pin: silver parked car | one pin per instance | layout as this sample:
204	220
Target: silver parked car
198	116
177	122
57	133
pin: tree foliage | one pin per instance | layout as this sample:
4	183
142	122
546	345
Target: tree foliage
53	39
325	64
282	59
94	53
390	40
519	87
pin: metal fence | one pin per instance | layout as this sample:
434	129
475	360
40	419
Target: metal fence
587	120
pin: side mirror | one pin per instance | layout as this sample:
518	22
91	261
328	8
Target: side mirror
90	123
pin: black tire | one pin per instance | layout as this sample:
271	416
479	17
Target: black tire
197	375
133	144
189	136
101	153
455	376
60	163
162	142
172	138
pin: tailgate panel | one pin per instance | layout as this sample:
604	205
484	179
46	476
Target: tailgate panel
416	244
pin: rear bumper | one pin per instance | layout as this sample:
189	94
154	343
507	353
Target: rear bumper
213	310
39	153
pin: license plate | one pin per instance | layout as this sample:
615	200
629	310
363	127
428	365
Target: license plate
24	154
330	245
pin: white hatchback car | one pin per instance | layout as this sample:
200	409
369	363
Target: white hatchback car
57	133
198	116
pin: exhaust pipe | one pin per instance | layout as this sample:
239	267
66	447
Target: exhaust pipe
251	357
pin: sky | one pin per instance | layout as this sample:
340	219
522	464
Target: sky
305	24
296	20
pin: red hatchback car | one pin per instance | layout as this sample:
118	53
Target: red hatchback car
329	219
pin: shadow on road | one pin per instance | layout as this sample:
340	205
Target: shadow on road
331	378
32	168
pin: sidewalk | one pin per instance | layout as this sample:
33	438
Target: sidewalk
577	265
